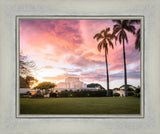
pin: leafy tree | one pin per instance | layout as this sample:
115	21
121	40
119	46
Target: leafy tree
120	29
30	80
104	39
116	94
138	90
23	83
27	82
116	89
129	87
45	85
26	66
95	85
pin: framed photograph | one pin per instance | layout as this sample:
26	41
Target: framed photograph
79	67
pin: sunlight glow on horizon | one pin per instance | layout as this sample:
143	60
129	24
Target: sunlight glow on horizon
62	48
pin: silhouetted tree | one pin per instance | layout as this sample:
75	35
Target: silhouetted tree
120	29
104	39
95	85
26	66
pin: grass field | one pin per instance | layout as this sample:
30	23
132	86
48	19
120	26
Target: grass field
84	105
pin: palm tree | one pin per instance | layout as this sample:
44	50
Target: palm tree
138	34
120	30
104	38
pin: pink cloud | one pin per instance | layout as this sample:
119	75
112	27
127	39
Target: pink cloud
71	43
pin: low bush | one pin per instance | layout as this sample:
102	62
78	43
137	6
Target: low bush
110	93
25	96
130	93
37	96
53	94
116	94
137	90
137	95
84	93
63	94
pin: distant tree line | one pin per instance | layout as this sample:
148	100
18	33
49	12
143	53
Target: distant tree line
100	92
81	93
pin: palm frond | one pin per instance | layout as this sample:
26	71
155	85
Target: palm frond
110	43
130	28
99	47
116	30
105	39
107	30
103	31
124	23
134	22
98	36
117	21
124	36
138	40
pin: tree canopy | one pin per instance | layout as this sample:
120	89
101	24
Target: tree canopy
26	66
45	85
129	87
23	83
27	82
95	85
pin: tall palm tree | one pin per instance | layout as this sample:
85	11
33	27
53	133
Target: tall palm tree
104	39
120	29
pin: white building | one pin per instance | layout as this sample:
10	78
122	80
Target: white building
121	92
71	83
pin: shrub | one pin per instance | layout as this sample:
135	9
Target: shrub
84	93
28	93
137	95
130	93
116	94
37	96
130	89
63	94
110	93
137	90
25	95
53	94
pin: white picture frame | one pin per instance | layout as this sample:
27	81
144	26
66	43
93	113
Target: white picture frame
9	123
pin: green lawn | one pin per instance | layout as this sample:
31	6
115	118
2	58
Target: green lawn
84	105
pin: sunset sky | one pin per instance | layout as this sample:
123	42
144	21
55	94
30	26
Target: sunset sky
62	48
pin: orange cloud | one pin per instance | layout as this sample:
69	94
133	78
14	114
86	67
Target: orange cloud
47	67
69	46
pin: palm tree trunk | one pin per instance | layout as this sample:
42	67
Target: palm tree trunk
125	70
107	72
